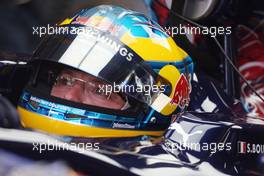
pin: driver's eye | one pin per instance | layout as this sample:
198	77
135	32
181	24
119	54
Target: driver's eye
101	93
98	91
63	81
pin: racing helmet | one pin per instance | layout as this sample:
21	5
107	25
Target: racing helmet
106	72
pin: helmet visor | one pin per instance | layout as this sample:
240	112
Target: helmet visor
106	58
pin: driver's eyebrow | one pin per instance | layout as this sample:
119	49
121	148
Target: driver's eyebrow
91	78
98	82
67	72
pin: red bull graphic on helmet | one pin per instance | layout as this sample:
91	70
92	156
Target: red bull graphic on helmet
105	24
182	92
80	20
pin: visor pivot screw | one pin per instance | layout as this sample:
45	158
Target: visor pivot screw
153	120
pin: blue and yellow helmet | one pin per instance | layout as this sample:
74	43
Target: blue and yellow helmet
94	52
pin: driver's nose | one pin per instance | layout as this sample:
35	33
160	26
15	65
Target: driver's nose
75	93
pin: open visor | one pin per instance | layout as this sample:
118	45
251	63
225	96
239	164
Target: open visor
105	57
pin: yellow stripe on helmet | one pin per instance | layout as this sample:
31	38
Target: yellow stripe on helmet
159	49
44	123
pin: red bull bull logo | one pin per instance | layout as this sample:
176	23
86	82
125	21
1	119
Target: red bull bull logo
182	92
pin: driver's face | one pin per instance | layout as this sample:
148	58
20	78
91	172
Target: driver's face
82	88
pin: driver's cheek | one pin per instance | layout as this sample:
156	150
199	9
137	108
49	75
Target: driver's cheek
57	92
75	93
